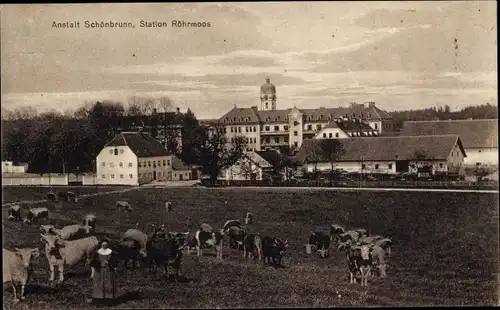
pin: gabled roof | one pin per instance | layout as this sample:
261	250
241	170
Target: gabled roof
473	133
386	148
274	158
143	145
178	164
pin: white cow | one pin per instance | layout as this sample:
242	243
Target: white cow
16	267
75	231
62	253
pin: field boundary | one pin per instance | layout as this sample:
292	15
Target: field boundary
79	197
375	189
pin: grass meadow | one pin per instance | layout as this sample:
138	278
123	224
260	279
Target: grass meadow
445	249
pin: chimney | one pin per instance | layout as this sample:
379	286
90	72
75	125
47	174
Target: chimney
178	110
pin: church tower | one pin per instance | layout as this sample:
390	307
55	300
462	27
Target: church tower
267	96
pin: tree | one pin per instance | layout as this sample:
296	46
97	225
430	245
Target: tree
332	150
420	163
315	155
247	168
165	104
215	153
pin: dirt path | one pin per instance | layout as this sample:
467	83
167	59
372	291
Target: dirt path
79	197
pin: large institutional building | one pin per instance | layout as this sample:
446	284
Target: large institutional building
268	127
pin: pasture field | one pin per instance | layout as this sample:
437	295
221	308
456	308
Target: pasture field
25	193
445	250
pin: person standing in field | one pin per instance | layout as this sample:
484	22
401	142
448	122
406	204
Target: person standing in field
104	282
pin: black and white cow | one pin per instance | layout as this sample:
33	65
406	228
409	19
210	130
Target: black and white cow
15	213
236	236
35	214
252	246
320	242
209	239
273	250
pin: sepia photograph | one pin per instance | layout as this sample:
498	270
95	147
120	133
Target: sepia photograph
232	155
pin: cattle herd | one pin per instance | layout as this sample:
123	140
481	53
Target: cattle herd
67	246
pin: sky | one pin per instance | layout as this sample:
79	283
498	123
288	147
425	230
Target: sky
402	55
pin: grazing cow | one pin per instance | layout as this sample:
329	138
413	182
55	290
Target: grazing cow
349	235
168	206
89	220
126	250
209	239
231	223
35	214
164	252
359	261
139	236
51	196
252	245
72	232
15	213
71	197
47	229
62	253
124	206
17	268
248	218
385	244
273	250
378	260
236	236
320	242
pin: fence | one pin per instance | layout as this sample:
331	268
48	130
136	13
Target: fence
89	179
485	185
35	180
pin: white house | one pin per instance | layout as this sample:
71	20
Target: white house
255	165
9	167
132	158
343	128
479	137
389	155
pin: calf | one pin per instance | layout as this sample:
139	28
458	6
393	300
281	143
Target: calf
72	232
35	214
206	239
236	236
62	253
252	245
15	213
273	250
359	261
90	220
320	242
17	268
164	252
124	206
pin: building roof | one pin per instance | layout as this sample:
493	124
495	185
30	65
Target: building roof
274	158
253	115
143	145
178	164
386	148
268	87
473	133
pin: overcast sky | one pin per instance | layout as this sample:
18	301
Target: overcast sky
401	55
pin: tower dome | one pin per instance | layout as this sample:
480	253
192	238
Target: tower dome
267	87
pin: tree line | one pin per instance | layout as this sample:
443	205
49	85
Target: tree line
54	142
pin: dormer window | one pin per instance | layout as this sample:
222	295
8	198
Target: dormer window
116	151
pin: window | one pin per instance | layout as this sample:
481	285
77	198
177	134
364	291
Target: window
267	128
285	139
246	129
121	151
440	165
116	151
130	164
363	166
330	135
231	129
103	176
376	126
296	144
168	162
112	176
175	174
376	166
268	140
295	123
390	166
144	164
309	127
130	176
285	127
276	128
318	127
295	133
164	162
121	164
239	129
111	152
159	163
103	164
149	163
324	135
150	174
254	129
277	140
121	176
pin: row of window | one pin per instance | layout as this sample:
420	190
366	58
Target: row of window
309	117
330	135
112	164
276	140
276	128
247	129
389	166
166	162
115	151
130	176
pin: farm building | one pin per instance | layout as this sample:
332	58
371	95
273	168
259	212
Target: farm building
344	128
389	155
256	165
479	137
9	167
132	158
